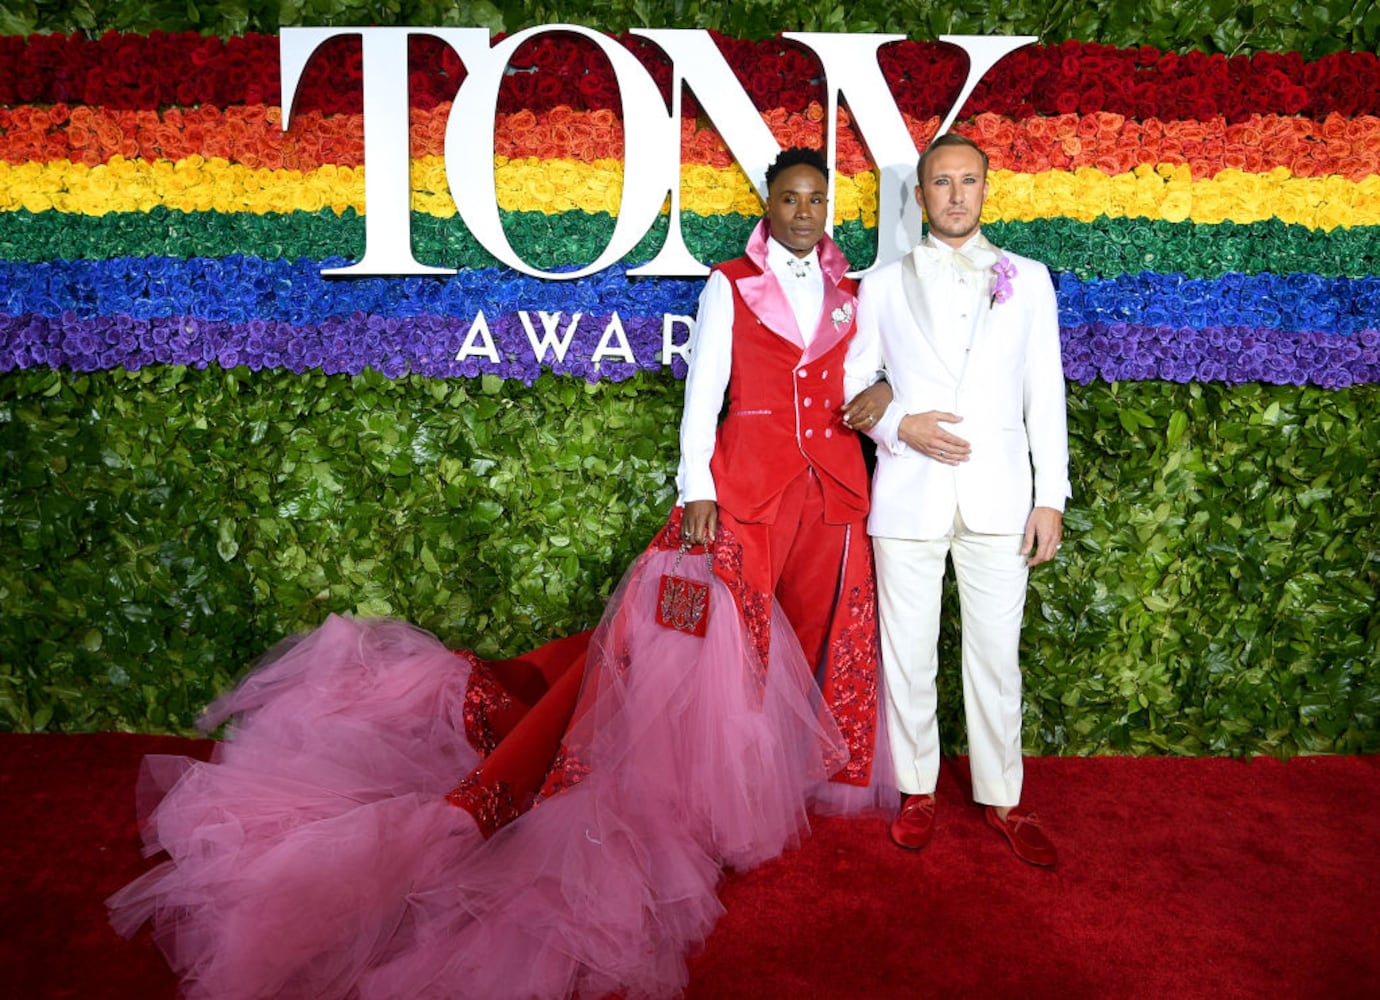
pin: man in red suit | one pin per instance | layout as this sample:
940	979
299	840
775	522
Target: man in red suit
782	479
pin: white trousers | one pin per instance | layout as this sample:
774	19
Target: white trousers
991	574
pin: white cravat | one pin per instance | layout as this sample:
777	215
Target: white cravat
802	282
964	274
969	266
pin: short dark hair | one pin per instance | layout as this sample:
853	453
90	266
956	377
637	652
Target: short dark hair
948	139
796	156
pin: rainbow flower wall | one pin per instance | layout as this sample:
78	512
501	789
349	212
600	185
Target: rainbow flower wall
210	444
1213	219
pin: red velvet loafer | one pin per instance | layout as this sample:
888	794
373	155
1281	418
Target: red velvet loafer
1023	833
913	825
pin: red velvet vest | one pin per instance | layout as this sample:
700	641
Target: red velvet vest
784	417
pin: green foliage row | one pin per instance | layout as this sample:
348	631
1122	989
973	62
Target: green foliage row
1311	27
1100	248
160	528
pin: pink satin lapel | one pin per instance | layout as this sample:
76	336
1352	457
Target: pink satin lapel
828	333
763	295
762	292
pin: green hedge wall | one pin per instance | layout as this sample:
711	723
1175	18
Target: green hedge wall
1310	27
158	529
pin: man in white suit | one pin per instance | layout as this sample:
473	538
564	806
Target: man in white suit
972	464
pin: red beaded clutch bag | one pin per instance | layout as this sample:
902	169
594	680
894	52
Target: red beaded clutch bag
683	604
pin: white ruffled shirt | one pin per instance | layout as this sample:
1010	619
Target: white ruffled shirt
957	312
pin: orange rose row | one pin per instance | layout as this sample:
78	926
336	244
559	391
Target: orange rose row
252	136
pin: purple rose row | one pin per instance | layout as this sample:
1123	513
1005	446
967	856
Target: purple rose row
442	346
430	345
1116	352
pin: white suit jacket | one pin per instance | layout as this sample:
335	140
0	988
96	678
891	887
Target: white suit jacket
1009	391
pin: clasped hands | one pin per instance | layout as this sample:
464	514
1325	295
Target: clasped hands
921	431
925	433
866	408
1044	528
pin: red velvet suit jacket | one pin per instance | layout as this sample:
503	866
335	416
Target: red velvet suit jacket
784	403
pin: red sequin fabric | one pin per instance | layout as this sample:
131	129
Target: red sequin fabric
484	700
491	804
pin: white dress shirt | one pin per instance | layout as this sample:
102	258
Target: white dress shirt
957	311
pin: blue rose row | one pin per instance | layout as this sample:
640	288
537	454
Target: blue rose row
237	289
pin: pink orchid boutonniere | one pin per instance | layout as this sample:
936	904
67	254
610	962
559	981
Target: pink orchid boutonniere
1002	273
843	315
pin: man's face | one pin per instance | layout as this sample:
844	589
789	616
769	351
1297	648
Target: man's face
797	208
952	192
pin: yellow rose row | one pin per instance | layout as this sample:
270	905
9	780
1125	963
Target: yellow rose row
530	184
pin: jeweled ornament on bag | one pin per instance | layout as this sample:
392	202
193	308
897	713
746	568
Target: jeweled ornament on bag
683	604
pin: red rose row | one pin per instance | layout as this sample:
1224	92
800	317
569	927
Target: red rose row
251	135
164	70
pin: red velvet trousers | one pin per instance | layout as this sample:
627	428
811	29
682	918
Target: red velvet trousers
804	556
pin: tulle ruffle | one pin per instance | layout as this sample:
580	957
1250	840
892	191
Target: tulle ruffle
317	856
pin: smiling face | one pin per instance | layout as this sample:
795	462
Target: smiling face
952	192
797	208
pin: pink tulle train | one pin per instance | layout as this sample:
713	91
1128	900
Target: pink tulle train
316	854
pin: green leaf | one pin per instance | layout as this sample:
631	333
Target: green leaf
226	545
1178	423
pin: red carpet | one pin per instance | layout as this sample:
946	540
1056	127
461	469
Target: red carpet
1178	878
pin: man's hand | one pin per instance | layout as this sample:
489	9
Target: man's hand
866	408
699	522
1043	531
922	432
